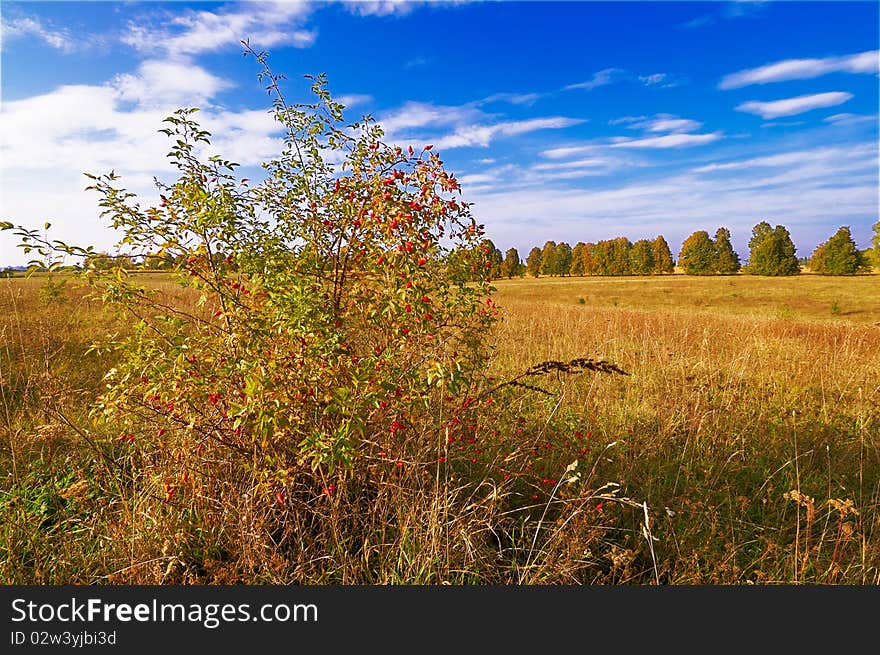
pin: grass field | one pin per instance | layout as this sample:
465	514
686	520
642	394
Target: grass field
743	447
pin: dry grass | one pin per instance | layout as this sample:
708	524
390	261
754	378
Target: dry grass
726	410
743	447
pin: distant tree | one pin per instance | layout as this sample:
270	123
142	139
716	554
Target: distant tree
618	256
817	262
563	254
587	262
663	262
697	256
726	259
577	259
158	262
533	262
548	258
602	257
875	246
101	261
493	260
839	255
510	266
642	258
771	251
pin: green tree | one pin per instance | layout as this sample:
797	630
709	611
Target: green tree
875	246
697	256
511	265
839	255
726	260
771	251
563	254
642	258
534	262
548	258
663	262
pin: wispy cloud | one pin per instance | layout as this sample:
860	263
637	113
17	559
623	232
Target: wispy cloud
667	141
805	189
571	151
729	10
601	78
699	21
659	123
526	99
464	125
655	79
590	162
826	155
482	135
849	119
626	119
800	69
421	114
796	105
415	62
58	38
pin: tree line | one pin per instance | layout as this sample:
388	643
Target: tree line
771	252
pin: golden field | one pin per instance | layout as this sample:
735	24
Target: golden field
742	448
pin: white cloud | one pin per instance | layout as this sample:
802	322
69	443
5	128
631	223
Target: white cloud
667	141
380	7
48	141
192	32
166	83
603	77
796	105
800	69
354	99
16	28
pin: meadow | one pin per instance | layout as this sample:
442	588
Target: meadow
741	447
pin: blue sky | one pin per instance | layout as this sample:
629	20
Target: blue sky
571	121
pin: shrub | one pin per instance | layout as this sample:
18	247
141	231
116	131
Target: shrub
326	312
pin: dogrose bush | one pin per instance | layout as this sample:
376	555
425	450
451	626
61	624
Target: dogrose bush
336	316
